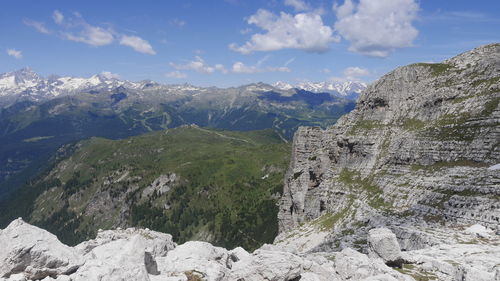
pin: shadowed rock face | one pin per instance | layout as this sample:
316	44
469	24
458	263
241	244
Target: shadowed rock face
416	149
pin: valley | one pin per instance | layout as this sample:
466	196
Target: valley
39	115
197	184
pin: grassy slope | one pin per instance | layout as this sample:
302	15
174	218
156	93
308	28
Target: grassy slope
222	196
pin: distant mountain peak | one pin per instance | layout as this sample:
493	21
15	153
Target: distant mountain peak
348	89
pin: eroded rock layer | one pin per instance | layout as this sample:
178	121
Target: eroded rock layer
419	149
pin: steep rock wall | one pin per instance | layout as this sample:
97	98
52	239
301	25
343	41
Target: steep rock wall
418	147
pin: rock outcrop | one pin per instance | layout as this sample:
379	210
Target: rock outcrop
34	252
416	151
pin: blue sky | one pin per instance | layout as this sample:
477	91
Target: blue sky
233	42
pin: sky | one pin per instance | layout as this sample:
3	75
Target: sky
233	42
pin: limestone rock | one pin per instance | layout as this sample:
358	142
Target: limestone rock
34	252
419	149
123	255
116	260
352	265
199	258
156	243
268	265
382	243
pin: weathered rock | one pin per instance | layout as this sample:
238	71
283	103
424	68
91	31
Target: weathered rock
410	238
128	254
469	262
419	147
122	259
352	265
17	277
198	258
268	265
34	252
382	243
156	243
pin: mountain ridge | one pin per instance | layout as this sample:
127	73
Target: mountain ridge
348	89
27	84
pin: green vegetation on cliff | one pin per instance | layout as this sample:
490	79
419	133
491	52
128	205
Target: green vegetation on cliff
191	182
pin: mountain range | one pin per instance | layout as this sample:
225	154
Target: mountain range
25	84
346	89
38	115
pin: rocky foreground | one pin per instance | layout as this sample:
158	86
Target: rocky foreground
31	253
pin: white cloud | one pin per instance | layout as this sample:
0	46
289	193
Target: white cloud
304	31
39	26
239	67
75	28
110	75
58	17
138	44
92	35
298	5
176	74
15	53
220	68
199	65
354	72
377	27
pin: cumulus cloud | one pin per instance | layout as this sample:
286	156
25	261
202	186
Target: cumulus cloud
304	31
199	65
39	26
176	74
110	75
15	53
298	5
92	35
355	72
377	27
352	73
138	44
58	17
220	68
239	67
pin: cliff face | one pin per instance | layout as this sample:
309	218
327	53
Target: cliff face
418	147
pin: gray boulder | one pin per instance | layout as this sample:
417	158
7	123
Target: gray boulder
382	243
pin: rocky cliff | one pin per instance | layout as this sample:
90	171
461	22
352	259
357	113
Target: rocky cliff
418	151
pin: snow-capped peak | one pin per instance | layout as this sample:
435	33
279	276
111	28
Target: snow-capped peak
283	85
19	79
26	84
349	89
